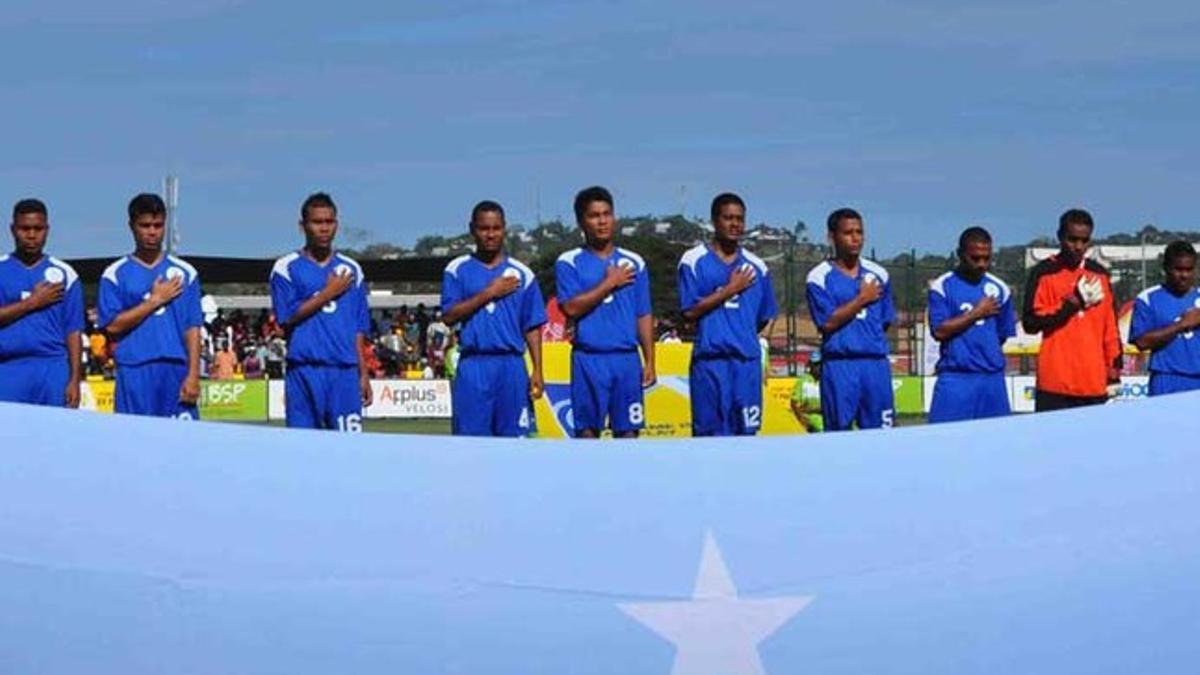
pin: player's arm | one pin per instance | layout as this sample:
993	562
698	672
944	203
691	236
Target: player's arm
615	276
161	295
43	295
987	307
499	288
1150	340
74	366
739	280
533	342
335	286
1043	312
189	391
868	293
361	345
645	332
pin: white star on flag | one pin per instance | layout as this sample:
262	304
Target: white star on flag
716	632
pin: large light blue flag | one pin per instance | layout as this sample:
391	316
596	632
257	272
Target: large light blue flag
1058	543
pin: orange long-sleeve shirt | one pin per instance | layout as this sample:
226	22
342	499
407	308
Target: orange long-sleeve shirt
1077	350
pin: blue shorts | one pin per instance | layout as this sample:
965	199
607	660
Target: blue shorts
726	396
41	380
490	396
322	397
969	396
152	389
607	385
1172	383
857	391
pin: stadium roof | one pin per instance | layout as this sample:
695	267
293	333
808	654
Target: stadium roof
217	270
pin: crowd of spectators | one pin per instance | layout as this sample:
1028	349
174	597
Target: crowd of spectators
402	343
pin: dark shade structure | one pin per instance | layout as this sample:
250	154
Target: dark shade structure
217	270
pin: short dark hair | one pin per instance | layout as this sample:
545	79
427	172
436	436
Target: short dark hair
722	200
1177	249
836	218
317	200
1074	217
27	206
486	206
972	235
588	195
146	204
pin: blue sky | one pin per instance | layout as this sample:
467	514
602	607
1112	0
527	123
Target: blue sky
925	115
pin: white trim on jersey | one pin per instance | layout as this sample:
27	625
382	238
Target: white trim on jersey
569	256
637	259
72	276
693	255
187	267
1144	296
110	272
524	269
353	263
757	262
453	265
938	285
817	274
875	268
282	265
1005	291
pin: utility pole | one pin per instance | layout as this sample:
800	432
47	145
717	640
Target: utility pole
171	197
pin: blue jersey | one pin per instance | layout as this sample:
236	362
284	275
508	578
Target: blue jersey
44	332
731	329
865	335
500	326
977	349
126	284
329	336
1156	308
611	326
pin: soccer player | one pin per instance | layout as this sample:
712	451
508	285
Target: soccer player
850	299
605	290
500	307
41	316
1165	319
149	303
319	297
726	290
1069	300
971	314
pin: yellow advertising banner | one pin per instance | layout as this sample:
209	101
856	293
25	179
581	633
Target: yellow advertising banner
668	405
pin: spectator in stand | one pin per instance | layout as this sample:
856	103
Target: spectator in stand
422	319
452	355
224	363
1069	300
276	354
252	365
385	323
437	337
98	347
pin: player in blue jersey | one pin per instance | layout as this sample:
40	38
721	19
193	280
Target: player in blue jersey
497	301
850	299
319	297
149	303
605	290
1165	321
41	316
971	314
727	291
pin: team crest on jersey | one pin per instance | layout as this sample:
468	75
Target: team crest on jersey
747	267
626	263
174	273
870	278
54	275
343	270
991	290
1196	303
